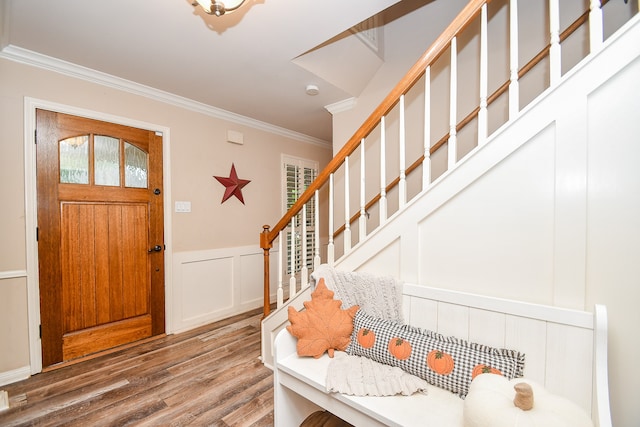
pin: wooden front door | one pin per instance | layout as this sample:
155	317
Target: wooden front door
100	235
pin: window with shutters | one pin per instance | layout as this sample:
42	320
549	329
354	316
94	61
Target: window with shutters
298	174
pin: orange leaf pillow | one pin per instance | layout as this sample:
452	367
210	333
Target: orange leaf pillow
323	326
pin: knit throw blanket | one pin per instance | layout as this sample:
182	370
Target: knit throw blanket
360	376
378	296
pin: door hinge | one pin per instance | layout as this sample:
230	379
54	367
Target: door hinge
37	234
35	136
40	326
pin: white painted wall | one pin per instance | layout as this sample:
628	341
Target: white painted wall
613	227
548	211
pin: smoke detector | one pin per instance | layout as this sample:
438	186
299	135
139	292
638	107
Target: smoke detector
312	90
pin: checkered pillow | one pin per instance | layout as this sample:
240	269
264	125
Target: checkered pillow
446	362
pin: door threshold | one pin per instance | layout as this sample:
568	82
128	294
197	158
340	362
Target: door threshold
101	353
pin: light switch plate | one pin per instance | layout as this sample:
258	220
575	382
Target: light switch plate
183	207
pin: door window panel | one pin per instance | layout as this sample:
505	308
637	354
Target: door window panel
106	160
136	166
74	160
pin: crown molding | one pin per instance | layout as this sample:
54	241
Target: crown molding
28	57
340	106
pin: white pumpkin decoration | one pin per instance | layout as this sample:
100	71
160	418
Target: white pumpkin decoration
493	401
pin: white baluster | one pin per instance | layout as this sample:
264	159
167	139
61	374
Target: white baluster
555	56
280	292
347	226
316	231
304	270
596	26
362	230
426	163
292	264
383	173
482	113
402	185
514	90
453	106
330	246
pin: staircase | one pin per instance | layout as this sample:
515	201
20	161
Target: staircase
499	199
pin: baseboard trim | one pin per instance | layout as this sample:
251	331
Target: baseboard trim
15	375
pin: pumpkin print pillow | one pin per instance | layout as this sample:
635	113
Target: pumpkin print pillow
446	362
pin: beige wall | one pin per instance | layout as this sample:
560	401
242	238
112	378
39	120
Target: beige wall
12	257
14	336
198	152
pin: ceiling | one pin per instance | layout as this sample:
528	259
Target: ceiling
255	62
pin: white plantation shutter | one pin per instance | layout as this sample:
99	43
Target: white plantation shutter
298	175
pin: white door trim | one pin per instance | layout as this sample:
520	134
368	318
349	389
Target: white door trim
31	212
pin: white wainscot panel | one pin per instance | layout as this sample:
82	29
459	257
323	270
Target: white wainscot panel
422	313
575	343
497	235
206	287
251	279
453	320
487	327
528	336
214	284
375	260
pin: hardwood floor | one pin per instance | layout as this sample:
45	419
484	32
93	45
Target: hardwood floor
210	376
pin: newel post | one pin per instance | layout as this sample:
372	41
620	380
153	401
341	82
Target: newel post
266	245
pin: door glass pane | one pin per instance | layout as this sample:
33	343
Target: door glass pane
106	153
136	166
74	160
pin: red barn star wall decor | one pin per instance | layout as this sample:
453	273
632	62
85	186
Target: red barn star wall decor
233	185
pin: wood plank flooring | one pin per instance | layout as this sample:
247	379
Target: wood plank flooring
210	376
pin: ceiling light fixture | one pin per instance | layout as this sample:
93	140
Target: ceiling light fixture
218	8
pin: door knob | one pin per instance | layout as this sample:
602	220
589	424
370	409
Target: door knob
156	248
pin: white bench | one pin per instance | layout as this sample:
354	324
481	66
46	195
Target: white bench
566	351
